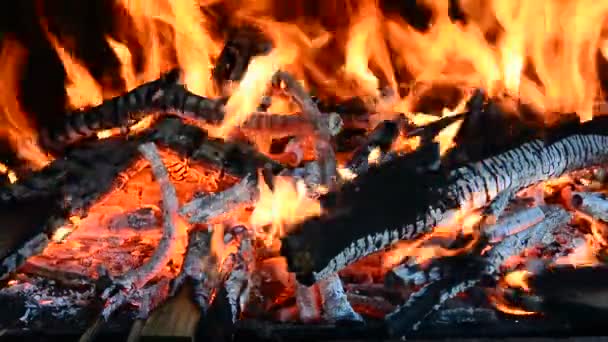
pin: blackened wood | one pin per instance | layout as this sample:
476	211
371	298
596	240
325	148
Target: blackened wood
455	275
394	204
382	137
572	292
164	95
242	44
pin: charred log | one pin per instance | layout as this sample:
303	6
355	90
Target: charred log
382	137
241	46
370	214
457	275
164	95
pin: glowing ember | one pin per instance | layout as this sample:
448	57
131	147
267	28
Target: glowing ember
518	279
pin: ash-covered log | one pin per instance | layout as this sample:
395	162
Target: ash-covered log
591	203
400	200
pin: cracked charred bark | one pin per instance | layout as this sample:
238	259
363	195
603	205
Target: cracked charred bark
398	201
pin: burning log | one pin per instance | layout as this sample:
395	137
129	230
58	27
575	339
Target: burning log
421	304
335	303
237	284
366	220
281	125
242	44
162	95
381	138
516	222
204	208
324	151
591	203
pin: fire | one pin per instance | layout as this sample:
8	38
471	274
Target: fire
14	125
518	279
502	305
282	207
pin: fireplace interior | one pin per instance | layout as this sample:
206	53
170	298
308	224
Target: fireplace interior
306	170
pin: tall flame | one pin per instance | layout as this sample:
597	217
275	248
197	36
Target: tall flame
14	125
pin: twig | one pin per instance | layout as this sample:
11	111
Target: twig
125	287
138	277
207	207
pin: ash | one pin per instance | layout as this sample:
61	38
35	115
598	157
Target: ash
43	298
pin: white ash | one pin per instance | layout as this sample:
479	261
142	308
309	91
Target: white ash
307	302
336	306
41	295
513	223
591	203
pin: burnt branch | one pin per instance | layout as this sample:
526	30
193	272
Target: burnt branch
164	95
323	149
371	213
540	233
136	278
513	223
207	207
381	138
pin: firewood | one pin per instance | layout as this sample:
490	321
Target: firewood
242	44
199	246
422	303
308	303
591	203
164	95
375	307
238	282
381	138
204	208
126	287
515	222
540	233
138	277
177	318
368	221
325	155
335	303
281	125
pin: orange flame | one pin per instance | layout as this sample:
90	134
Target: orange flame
518	279
14	125
288	204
